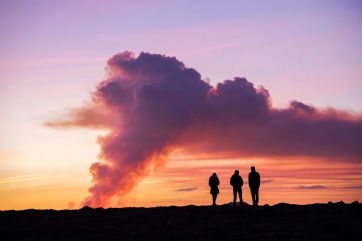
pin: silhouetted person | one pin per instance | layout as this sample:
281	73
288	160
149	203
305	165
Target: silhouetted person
254	184
214	189
237	182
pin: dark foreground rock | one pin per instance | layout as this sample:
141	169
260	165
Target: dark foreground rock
332	221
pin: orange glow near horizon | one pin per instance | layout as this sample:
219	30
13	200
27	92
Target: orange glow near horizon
301	181
184	181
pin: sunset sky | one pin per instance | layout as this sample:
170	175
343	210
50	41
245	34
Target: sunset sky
54	55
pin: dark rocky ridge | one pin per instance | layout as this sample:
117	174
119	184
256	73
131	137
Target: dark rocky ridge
332	221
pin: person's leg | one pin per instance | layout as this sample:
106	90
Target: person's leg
240	196
234	193
257	197
214	199
252	195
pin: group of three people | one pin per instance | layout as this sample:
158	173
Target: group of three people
236	181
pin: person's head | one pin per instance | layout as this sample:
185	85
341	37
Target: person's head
236	172
214	174
252	169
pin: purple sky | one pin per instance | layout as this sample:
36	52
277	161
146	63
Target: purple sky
53	53
305	50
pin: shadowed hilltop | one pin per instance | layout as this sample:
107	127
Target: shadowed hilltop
332	221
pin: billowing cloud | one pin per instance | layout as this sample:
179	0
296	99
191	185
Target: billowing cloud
152	104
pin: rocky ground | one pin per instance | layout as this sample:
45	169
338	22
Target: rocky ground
332	221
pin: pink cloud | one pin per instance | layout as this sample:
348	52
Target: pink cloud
152	104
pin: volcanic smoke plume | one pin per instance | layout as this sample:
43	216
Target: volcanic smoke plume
152	104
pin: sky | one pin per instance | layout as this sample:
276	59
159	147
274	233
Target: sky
54	54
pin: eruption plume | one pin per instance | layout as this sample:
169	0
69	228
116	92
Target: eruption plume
152	104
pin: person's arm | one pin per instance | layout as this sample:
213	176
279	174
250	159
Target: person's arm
258	180
249	179
217	182
242	182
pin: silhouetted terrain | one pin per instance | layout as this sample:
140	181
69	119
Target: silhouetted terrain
333	221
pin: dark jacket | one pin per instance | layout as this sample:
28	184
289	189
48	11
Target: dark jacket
236	181
214	183
254	180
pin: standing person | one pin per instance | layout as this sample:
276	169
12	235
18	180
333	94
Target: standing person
254	184
214	189
237	182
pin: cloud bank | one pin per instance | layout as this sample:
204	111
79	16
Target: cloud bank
152	104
